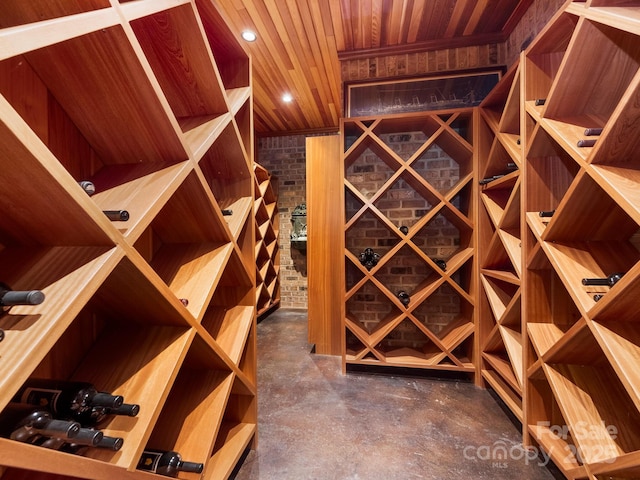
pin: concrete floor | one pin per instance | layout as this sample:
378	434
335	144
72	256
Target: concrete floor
315	423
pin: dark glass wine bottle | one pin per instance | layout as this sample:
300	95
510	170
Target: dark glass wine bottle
486	180
512	166
117	215
89	437
540	101
88	187
586	143
546	213
23	422
404	229
442	265
369	258
106	443
86	437
9	298
79	401
608	281
590	132
227	212
125	410
597	297
166	463
404	297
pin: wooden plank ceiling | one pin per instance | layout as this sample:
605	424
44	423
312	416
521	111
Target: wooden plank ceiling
301	43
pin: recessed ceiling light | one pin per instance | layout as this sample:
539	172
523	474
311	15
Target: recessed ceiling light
249	36
287	98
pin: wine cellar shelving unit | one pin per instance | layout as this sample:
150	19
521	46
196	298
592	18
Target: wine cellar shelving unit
267	249
582	358
426	190
152	102
499	243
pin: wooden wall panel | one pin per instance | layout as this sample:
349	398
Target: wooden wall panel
325	242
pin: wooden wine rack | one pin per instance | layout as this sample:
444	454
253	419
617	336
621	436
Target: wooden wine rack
582	358
499	242
267	248
152	102
382	184
568	368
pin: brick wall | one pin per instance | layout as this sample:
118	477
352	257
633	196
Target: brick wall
284	157
532	22
403	205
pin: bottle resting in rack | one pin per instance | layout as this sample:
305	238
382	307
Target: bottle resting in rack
590	132
442	264
404	297
509	167
9	298
608	281
490	179
227	212
24	423
167	463
107	443
85	437
79	401
82	443
117	215
540	101
586	143
546	213
369	258
88	187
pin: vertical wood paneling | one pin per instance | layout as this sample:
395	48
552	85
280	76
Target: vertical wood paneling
324	243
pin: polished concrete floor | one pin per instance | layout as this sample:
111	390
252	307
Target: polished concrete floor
315	423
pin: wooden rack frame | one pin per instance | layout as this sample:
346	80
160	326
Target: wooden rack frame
152	102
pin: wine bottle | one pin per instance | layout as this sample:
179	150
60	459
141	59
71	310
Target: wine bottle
227	212
88	187
586	143
79	401
9	297
512	166
125	410
23	422
404	229
540	101
597	297
546	213
106	443
608	281
369	258
588	132
403	297
117	215
441	264
85	437
167	463
1	335
486	180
